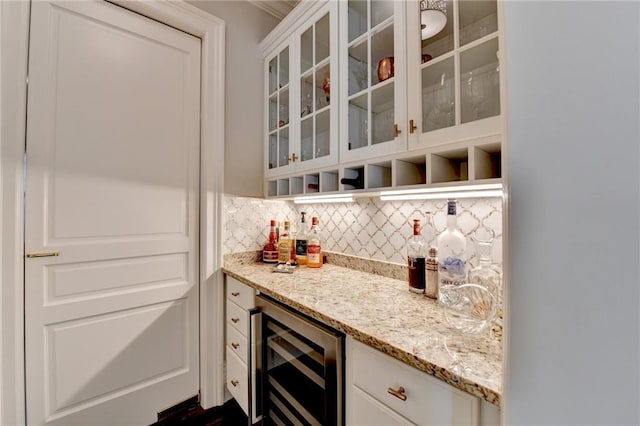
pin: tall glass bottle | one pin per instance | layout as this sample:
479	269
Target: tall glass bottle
314	245
301	240
452	247
416	248
486	273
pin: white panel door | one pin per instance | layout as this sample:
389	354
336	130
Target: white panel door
112	186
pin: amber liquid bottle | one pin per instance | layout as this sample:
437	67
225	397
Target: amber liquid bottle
314	242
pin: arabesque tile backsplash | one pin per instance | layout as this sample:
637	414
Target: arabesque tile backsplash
367	228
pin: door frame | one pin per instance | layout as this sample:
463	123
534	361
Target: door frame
14	38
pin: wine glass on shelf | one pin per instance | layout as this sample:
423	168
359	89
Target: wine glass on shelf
475	93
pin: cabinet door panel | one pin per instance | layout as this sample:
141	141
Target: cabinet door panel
363	410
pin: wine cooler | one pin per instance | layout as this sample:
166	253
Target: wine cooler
299	367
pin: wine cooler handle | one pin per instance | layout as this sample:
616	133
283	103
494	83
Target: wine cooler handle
396	130
398	393
254	357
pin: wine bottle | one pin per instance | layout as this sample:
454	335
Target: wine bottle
452	247
314	243
312	186
416	259
357	182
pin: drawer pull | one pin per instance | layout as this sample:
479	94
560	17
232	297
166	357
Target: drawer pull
235	320
235	345
235	383
235	294
398	393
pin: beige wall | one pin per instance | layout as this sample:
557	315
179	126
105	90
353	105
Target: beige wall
246	26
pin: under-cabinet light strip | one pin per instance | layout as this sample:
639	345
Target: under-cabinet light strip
324	199
445	189
443	195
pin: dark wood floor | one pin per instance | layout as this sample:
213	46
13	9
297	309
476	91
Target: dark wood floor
229	414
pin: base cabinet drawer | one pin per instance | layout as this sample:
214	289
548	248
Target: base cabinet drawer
364	410
238	380
412	394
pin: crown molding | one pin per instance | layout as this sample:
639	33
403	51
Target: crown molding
276	8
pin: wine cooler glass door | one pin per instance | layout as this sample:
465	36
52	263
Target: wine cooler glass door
301	370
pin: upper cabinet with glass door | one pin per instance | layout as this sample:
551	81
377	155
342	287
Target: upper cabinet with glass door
453	62
318	80
302	74
372	71
278	110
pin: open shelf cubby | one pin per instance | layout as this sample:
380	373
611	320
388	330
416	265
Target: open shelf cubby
379	175
487	161
272	188
283	186
311	183
411	171
329	181
353	173
450	166
297	186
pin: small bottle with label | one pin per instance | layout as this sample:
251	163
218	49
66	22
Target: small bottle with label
270	250
416	259
314	242
431	289
285	245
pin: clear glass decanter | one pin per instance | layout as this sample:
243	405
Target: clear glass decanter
486	274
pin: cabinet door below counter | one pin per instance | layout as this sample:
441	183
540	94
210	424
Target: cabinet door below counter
399	394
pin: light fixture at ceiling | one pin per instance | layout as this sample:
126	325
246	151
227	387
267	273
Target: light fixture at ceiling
433	17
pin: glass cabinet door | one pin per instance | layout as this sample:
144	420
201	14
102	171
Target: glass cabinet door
315	90
372	63
278	120
455	67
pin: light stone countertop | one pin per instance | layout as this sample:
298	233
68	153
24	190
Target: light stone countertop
382	313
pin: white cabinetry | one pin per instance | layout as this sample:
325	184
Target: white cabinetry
398	394
239	300
434	120
301	114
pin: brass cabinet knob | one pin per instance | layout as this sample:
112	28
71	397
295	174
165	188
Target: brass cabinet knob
234	383
398	393
235	320
235	345
396	130
235	294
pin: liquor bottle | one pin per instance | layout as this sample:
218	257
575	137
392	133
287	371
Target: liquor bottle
314	242
357	182
452	247
301	241
270	250
431	288
285	245
416	259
